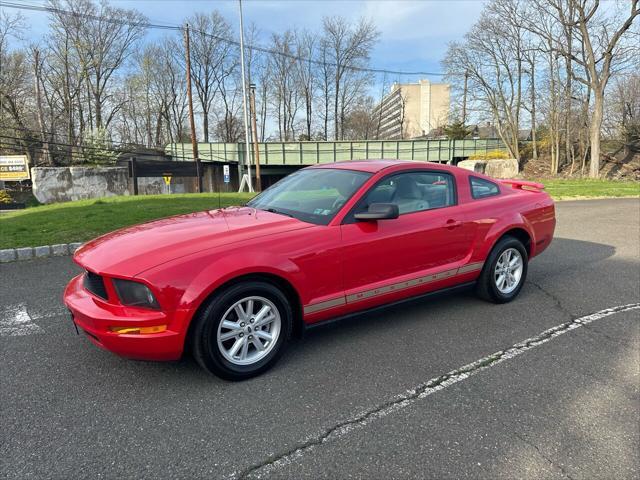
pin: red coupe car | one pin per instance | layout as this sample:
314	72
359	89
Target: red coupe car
234	285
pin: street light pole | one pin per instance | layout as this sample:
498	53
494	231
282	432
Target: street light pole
246	178
194	140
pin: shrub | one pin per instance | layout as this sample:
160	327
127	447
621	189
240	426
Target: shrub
490	155
5	197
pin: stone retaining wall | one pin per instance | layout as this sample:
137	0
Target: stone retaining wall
63	184
506	168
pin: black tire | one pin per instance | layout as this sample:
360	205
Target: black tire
486	287
204	340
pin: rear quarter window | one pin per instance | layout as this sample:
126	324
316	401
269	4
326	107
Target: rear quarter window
481	188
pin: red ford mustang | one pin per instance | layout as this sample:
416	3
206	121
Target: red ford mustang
233	285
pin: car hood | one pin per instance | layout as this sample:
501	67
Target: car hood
130	251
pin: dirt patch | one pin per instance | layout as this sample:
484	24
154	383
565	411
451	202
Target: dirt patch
620	164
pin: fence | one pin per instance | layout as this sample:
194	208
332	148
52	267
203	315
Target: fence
309	153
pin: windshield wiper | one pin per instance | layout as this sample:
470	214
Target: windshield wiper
273	210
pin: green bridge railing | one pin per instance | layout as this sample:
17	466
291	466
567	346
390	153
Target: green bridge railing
310	153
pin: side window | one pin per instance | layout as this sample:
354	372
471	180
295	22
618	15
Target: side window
481	188
413	191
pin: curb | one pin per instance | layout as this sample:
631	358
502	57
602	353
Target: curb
29	253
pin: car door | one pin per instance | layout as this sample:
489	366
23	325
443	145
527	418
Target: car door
429	237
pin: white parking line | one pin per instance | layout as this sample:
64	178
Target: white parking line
409	397
15	321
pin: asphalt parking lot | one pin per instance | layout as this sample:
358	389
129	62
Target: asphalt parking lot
364	398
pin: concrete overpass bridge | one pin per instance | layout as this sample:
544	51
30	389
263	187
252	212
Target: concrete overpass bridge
297	154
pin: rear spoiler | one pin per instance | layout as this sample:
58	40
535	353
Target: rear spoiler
523	185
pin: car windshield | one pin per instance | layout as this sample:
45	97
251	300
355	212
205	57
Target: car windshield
312	195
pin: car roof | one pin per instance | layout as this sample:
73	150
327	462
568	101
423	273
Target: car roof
374	166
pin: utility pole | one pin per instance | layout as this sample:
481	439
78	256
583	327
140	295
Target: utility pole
254	133
464	99
192	123
244	178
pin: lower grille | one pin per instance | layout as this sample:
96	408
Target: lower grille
95	284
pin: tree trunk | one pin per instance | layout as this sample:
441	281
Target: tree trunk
98	111
43	134
326	116
90	108
205	125
594	132
553	124
568	91
336	107
309	113
533	112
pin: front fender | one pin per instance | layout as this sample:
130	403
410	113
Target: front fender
186	282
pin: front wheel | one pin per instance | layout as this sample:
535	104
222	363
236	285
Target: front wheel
242	330
504	271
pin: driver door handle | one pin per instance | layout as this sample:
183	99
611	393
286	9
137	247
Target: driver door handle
451	224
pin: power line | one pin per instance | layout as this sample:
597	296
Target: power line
35	133
258	48
88	148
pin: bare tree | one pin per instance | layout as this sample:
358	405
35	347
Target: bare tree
209	59
491	55
603	44
326	87
257	74
622	117
264	77
144	112
347	47
306	72
37	68
361	122
284	86
170	84
601	40
103	37
64	83
530	58
17	113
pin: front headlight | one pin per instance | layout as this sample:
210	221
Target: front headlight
135	294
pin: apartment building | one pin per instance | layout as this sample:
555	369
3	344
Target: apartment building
412	109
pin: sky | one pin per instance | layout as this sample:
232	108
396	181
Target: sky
414	33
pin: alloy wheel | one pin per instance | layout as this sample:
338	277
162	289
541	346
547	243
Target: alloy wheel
508	271
249	330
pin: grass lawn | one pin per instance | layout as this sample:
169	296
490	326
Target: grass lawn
86	219
587	188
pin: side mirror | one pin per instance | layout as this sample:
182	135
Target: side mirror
379	211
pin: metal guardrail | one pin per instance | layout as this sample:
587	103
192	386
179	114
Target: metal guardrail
310	153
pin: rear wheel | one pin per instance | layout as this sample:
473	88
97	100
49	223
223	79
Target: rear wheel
504	271
242	330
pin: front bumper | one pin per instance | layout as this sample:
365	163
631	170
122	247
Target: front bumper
95	317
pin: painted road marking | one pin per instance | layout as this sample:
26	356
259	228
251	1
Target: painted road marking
15	321
409	397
